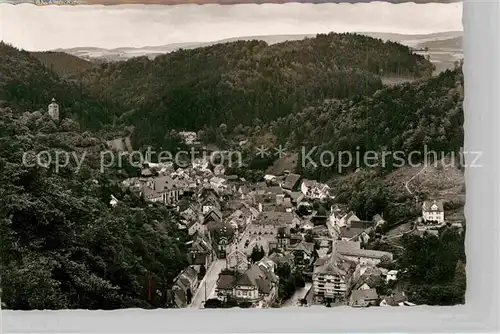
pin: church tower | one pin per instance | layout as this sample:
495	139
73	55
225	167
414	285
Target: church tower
54	110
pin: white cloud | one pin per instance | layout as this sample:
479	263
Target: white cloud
49	27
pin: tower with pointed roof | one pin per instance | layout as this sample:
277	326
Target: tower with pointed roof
53	110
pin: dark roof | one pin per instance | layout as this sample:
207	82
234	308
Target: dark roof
214	211
291	181
264	285
427	206
347	232
396	298
296	196
257	277
362	295
275	218
350	215
334	264
307	247
164	183
372	277
201	244
364	224
225	281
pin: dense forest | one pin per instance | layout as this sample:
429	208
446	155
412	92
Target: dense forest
403	118
26	84
433	268
247	82
239	83
63	245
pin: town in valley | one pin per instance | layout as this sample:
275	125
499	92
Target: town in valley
281	241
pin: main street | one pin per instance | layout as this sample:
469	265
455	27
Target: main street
208	283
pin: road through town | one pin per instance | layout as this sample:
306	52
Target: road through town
208	284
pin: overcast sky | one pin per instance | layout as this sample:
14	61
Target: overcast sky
49	27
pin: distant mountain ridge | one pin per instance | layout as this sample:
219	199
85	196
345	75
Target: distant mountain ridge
124	53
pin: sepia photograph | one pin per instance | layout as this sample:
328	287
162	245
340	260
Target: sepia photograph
249	156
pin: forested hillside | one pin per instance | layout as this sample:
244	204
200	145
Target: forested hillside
63	64
247	82
401	118
26	84
63	245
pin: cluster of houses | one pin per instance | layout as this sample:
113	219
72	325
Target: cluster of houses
229	218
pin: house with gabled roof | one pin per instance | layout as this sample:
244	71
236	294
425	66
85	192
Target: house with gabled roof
256	285
209	199
347	219
332	277
357	230
363	298
201	251
378	220
195	226
212	215
367	277
303	252
184	288
225	285
237	260
314	189
433	211
267	264
396	299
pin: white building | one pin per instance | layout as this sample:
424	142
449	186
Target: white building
392	275
314	189
189	137
332	277
432	211
113	201
237	260
53	110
